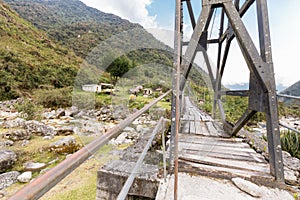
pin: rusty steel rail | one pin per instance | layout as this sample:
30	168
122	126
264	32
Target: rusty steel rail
44	183
123	194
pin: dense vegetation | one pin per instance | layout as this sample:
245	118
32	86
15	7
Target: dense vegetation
83	28
29	59
71	22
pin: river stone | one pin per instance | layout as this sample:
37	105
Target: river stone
64	145
6	143
72	111
16	123
121	139
25	143
60	113
7	115
16	135
3	193
49	115
8	179
48	137
39	128
129	129
290	175
81	114
64	131
25	177
7	159
290	162
248	187
34	166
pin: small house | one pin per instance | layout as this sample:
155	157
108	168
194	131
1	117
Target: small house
103	87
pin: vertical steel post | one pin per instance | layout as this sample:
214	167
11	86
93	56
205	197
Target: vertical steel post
273	131
177	59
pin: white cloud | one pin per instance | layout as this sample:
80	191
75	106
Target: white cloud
132	10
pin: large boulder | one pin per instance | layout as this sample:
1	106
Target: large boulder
7	159
123	138
60	113
8	115
49	115
291	162
64	146
6	143
16	123
8	179
72	111
16	135
39	128
55	114
66	130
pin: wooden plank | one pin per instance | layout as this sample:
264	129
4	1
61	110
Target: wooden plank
199	151
234	156
211	129
185	127
227	173
208	141
198	137
214	146
217	169
226	163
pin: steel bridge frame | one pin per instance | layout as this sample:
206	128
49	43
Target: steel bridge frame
262	90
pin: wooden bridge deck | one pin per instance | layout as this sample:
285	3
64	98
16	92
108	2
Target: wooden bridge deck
205	149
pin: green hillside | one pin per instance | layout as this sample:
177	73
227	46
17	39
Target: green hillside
29	59
98	38
83	28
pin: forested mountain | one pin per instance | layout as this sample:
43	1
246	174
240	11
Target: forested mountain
82	28
40	50
29	59
293	90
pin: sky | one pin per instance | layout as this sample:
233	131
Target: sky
157	16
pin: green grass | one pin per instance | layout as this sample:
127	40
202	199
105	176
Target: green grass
290	142
164	104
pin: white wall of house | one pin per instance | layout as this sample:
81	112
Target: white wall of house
91	88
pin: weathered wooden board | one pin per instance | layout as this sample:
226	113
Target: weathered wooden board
225	172
216	154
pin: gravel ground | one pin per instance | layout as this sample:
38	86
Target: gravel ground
203	188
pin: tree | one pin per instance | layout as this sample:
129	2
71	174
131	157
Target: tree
118	68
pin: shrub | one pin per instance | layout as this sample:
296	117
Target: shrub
290	142
54	98
138	104
29	110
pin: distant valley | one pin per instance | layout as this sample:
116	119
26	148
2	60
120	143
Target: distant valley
245	86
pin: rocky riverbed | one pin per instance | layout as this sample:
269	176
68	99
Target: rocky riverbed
30	147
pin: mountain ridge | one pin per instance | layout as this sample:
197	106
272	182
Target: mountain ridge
29	59
74	24
245	86
293	90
